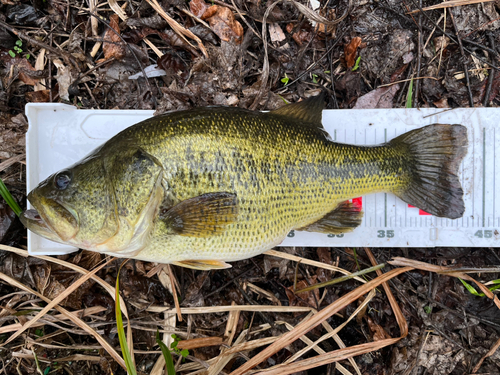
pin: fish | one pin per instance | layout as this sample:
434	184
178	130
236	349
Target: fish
206	186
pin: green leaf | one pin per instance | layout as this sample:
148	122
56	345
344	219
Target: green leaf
356	65
428	309
409	96
19	42
184	353
28	56
314	77
166	354
4	192
285	79
46	371
471	289
121	332
11	53
284	100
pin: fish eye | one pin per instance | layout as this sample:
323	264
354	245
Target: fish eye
62	180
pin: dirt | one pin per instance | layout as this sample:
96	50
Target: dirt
52	51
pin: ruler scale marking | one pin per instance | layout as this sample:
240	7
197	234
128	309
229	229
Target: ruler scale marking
484	176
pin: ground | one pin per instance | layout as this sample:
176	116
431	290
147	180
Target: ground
362	54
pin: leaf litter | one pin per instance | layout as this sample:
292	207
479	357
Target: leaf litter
422	320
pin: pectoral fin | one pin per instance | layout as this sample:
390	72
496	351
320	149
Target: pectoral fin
344	218
203	265
202	216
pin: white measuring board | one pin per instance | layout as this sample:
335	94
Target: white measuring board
60	135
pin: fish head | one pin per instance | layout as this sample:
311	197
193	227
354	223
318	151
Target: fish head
74	206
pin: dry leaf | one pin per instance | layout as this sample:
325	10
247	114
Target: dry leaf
324	256
275	33
41	96
198	7
378	98
330	15
172	63
300	36
379	333
350	51
113	45
63	77
22	67
442	103
310	298
222	22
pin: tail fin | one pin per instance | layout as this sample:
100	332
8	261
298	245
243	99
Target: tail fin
434	154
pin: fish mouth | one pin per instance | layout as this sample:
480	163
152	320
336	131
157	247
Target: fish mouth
33	216
51	220
32	220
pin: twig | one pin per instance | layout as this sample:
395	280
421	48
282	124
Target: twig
464	59
408	79
7	163
404	90
419	57
449	4
68	58
179	30
265	68
491	77
174	292
330	61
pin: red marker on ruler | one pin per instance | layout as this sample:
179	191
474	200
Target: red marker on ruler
420	212
357	203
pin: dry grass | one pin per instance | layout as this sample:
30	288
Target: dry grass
234	342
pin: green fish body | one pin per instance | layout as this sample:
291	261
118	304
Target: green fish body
205	186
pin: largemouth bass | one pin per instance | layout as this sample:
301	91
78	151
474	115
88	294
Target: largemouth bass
202	187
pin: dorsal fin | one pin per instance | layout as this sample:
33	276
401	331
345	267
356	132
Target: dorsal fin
309	110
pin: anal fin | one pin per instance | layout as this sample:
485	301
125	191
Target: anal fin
344	218
203	265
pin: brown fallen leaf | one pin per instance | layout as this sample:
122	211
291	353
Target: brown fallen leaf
223	23
310	298
51	286
171	62
113	46
324	256
22	67
198	7
381	97
379	333
442	103
350	51
301	36
330	15
275	32
64	78
42	96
